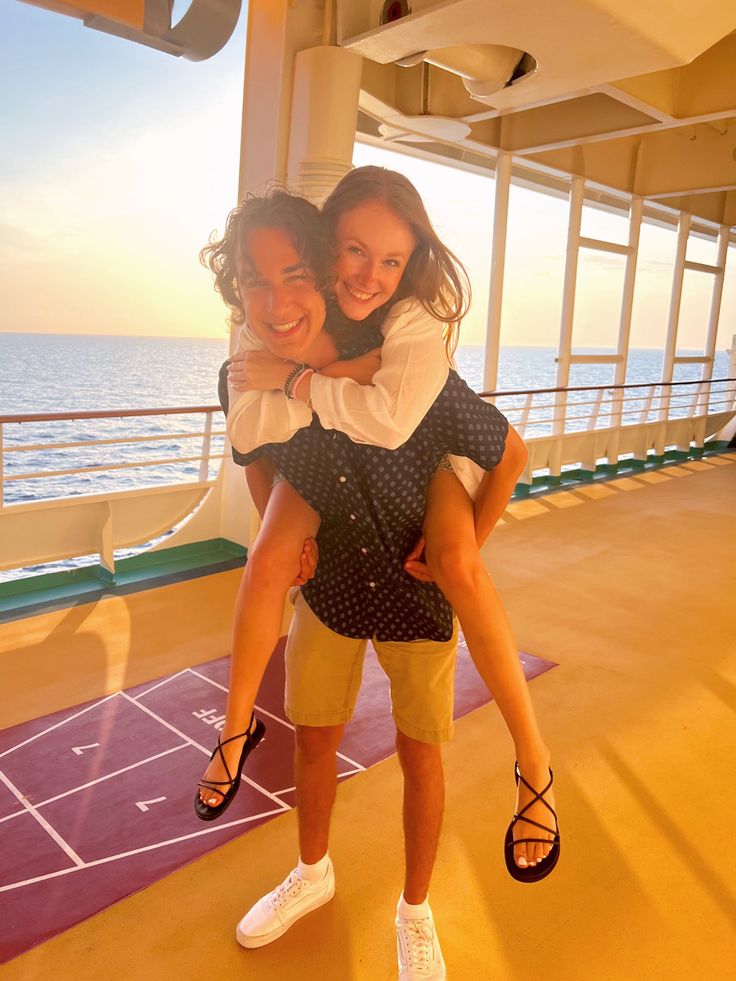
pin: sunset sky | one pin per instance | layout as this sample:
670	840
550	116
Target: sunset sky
118	161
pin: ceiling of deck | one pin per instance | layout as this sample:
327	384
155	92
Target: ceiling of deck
635	95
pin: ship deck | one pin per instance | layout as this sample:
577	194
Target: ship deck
628	586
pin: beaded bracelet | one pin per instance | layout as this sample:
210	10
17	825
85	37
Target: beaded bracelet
291	378
298	380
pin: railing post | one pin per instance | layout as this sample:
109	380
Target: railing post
524	420
204	466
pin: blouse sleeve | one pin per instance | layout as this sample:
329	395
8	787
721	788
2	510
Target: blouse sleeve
413	372
256	418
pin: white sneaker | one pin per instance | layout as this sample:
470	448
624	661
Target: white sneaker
419	951
274	913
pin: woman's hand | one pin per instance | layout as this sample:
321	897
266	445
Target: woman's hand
308	561
416	565
259	370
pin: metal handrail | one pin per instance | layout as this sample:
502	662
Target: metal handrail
133	465
87	443
609	409
204	458
598	388
619	401
107	414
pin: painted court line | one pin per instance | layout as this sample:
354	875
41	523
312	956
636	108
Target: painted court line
108	776
191	742
276	718
62	723
139	851
158	684
42	821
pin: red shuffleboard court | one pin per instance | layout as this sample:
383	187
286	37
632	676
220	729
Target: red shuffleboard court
96	801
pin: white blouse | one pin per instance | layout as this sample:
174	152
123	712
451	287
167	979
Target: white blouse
413	372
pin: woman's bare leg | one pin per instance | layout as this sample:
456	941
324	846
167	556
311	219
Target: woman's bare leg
457	568
272	566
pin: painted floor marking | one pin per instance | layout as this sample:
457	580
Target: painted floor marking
43	822
145	805
57	724
91	783
183	735
137	851
159	684
276	718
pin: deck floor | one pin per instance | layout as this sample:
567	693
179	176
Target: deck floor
629	586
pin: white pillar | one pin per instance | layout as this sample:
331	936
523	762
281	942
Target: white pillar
577	194
624	328
673	322
277	31
324	113
498	265
715	309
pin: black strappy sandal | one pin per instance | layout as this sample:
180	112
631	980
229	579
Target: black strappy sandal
532	873
207	812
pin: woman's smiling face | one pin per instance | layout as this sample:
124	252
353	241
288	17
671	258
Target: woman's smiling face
373	247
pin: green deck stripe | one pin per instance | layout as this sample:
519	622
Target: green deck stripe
58	590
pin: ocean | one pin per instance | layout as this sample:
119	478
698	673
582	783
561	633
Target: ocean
70	372
73	372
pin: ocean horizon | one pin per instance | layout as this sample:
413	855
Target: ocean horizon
47	373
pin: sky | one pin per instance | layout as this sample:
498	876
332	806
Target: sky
117	162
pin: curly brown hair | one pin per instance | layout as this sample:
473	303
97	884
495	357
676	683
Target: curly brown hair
277	208
434	275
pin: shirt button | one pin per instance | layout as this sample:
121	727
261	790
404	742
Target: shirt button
372	585
364	551
343	478
352	517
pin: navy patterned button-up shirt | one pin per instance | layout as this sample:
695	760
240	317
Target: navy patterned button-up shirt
371	501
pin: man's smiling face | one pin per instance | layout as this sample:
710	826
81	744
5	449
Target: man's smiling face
282	305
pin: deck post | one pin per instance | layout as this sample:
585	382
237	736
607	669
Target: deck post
498	264
204	464
670	345
713	320
730	394
577	194
624	328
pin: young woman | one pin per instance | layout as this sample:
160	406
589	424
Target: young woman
387	251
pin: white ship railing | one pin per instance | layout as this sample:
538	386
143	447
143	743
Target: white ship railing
565	428
582	427
203	457
98	505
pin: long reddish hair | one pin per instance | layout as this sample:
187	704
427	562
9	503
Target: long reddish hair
434	275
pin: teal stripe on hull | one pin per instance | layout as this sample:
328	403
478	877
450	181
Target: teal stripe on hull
58	590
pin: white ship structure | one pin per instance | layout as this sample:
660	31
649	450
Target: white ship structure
623	105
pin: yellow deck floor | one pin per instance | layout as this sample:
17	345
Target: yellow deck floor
630	587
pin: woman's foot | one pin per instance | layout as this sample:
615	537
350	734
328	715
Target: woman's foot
534	768
216	773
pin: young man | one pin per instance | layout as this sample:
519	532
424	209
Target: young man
371	504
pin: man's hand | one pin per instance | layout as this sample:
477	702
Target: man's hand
415	564
259	370
308	562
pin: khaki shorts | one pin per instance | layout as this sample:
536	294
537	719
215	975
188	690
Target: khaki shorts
324	669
